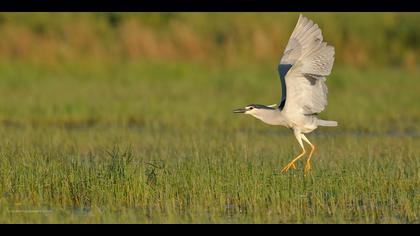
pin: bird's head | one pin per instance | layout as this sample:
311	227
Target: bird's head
255	109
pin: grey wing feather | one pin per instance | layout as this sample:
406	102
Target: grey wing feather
303	68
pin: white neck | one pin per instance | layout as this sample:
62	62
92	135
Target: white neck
271	117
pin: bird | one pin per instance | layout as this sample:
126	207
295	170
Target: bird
303	68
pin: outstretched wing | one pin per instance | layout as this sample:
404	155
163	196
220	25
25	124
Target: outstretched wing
303	68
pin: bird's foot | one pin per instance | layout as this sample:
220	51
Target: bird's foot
307	168
288	166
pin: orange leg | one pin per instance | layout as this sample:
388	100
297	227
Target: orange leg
308	161
292	163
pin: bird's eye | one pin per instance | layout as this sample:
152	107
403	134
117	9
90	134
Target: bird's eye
250	108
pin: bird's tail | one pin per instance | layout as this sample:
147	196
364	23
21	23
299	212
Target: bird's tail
327	123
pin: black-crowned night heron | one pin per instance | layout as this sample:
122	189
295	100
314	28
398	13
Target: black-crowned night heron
303	69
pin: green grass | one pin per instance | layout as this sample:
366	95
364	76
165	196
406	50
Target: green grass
158	143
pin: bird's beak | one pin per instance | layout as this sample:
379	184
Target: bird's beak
240	110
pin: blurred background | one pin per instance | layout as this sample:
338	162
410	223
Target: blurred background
362	39
157	69
127	117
